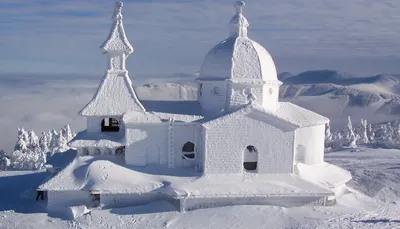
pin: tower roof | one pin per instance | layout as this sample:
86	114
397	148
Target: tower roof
117	41
115	95
238	58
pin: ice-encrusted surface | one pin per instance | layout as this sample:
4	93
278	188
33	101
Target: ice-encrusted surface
105	175
286	112
114	97
97	139
238	57
117	40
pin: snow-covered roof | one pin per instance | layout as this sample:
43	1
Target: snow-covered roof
102	139
138	117
239	58
102	174
177	113
287	116
114	97
117	41
99	174
177	117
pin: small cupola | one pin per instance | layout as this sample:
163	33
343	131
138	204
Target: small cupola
238	71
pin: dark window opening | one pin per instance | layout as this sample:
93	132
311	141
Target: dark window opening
188	151
109	125
95	202
120	150
201	89
250	166
251	149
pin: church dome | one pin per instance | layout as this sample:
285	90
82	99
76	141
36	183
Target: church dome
238	58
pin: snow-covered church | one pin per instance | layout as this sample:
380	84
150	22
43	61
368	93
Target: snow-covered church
237	144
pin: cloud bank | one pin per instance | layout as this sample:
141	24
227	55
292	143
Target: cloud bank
360	36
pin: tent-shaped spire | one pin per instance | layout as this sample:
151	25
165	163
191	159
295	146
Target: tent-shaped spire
117	41
115	96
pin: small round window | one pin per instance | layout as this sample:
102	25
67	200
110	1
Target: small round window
246	91
216	91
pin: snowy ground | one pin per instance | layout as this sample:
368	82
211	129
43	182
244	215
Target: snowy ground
376	173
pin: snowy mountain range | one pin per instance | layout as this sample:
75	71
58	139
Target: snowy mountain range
379	91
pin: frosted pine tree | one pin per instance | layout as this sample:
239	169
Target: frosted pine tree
22	142
389	135
61	143
54	141
351	137
364	129
328	134
44	142
371	133
4	160
67	133
33	141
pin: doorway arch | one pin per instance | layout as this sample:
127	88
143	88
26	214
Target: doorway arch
250	158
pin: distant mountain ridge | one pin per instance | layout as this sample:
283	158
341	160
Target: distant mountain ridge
379	93
336	77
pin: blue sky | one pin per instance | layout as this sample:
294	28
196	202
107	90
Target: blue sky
170	36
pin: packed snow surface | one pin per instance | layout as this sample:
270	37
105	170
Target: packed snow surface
106	175
375	172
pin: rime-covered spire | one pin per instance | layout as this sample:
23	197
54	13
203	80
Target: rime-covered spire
117	41
238	24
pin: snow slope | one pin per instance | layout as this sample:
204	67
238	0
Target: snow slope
375	172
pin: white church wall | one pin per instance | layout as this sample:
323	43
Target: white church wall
146	144
309	144
183	133
225	144
94	124
191	204
118	200
270	97
212	96
58	200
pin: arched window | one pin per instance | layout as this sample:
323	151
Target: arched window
188	151
250	158
109	125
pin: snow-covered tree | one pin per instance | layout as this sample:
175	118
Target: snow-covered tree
328	134
67	133
364	132
33	141
22	142
44	142
54	141
371	133
350	137
61	143
4	160
24	161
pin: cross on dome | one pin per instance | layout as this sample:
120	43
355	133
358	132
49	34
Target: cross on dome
239	23
239	6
